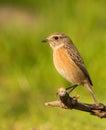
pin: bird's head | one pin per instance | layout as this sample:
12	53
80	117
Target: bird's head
57	40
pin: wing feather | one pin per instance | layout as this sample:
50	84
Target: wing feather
75	56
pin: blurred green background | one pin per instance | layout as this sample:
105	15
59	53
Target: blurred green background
28	78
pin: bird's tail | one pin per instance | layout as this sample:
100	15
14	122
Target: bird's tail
89	87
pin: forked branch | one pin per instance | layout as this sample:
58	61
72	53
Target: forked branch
67	102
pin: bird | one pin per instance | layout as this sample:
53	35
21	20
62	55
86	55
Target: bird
69	63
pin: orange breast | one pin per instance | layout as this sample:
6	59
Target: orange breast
66	66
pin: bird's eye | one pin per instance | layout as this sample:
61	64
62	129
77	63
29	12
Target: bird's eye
56	38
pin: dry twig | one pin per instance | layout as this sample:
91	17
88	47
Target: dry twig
67	102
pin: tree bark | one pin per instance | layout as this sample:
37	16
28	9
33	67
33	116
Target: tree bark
67	102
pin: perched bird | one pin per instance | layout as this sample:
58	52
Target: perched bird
68	61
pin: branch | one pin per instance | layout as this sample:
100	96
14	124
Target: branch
67	102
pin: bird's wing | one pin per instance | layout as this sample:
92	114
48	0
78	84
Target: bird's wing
75	56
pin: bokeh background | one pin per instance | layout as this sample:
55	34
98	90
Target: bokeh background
28	78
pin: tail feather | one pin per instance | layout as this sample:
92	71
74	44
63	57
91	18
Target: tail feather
89	87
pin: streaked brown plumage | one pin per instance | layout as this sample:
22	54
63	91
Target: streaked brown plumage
68	61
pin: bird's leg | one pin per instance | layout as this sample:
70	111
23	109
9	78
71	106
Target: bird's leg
71	88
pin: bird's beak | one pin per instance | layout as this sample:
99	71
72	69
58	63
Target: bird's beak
45	40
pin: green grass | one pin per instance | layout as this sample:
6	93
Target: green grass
28	78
